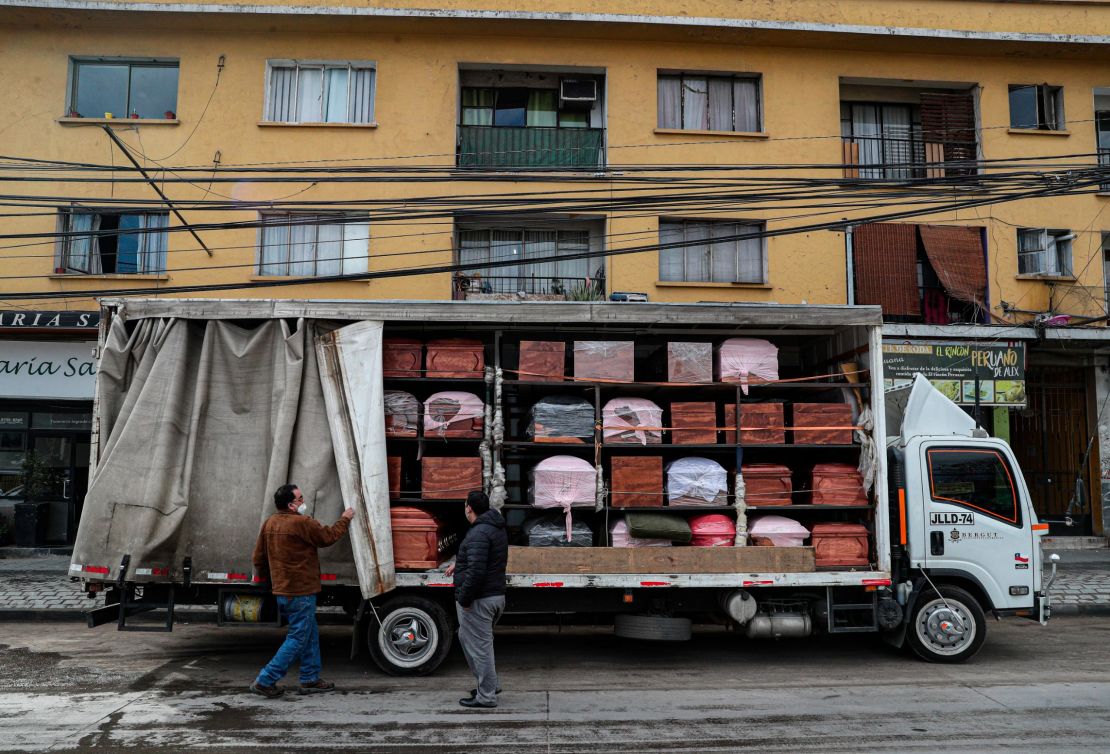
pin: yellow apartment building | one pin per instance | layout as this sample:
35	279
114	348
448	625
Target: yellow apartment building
945	159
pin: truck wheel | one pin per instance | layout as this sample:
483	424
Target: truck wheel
951	632
651	627
413	638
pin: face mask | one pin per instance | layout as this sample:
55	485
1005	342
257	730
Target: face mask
302	509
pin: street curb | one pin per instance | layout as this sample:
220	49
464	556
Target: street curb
30	615
1092	609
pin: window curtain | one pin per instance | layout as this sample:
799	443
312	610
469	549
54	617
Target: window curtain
356	248
749	257
275	246
865	129
477	107
720	105
695	93
329	249
745	101
1031	245
474	249
537	277
722	254
542	111
302	247
575	270
897	130
282	94
152	254
697	252
672	260
310	95
670	102
362	96
81	255
505	245
335	106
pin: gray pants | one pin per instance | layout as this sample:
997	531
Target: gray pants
476	637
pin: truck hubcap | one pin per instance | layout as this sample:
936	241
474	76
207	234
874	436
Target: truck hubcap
408	637
946	630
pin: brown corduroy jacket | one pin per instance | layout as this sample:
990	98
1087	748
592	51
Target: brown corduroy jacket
285	553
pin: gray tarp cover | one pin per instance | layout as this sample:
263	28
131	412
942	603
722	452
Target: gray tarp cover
199	423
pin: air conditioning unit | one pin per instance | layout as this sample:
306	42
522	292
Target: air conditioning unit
577	94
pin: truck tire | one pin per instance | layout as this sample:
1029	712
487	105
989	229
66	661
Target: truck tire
936	635
413	637
652	627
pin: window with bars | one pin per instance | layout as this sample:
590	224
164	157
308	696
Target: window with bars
123	88
308	245
1043	251
539	251
1037	107
701	102
113	243
711	252
887	138
320	92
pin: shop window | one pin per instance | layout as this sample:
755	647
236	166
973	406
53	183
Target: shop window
104	243
320	92
1037	107
313	245
110	88
1043	251
701	102
710	252
976	479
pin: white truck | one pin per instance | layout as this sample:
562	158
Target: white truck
204	407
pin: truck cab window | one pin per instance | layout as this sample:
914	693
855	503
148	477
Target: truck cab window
977	479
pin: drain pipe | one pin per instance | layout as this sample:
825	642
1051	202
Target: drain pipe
850	266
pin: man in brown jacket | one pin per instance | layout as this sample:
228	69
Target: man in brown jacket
285	555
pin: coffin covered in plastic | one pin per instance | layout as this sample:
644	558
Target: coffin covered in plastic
402	413
747	361
778	531
712	530
564	482
620	537
696	481
454	414
550	531
632	421
561	418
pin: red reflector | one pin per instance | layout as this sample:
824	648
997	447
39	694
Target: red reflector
655	583
159	571
238	576
256	580
876	582
547	583
327	577
96	569
758	583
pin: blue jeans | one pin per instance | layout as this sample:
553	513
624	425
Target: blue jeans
302	642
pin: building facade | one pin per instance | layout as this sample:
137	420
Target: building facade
940	158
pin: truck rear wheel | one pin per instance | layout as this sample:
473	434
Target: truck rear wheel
948	627
413	637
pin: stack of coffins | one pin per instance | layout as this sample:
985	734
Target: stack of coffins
696	482
402	413
561	418
632	421
747	361
837	484
454	414
712	530
777	531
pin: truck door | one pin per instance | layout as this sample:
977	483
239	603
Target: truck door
351	372
975	520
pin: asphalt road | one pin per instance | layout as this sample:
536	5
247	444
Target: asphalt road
66	688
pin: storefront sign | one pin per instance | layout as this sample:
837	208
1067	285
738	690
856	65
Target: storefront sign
37	369
952	366
23	320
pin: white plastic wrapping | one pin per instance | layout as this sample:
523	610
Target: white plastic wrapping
689	362
696	481
635	421
548	531
607	360
402	413
564	482
562	417
782	531
442	410
747	360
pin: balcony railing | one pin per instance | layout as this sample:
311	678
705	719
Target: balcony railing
568	288
898	158
532	147
1104	161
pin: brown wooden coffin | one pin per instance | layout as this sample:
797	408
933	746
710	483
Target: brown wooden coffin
420	540
693	423
760	424
840	544
689	362
605	360
542	360
823	416
837	484
393	466
455	357
401	357
449	478
636	482
767	484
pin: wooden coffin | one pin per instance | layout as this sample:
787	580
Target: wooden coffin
693	423
420	540
636	482
689	362
449	477
455	357
837	484
541	361
840	544
605	360
760	424
767	484
393	467
832	423
401	357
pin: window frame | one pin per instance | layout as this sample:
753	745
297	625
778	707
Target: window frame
1051	240
1042	92
74	79
560	112
1015	520
64	244
686	223
596	260
756	78
351	66
261	264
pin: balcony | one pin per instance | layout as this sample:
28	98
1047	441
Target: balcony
531	147
507	287
891	157
1104	161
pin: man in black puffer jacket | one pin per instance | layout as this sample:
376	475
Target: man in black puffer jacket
479	572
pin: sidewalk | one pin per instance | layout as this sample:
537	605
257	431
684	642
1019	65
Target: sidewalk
40	588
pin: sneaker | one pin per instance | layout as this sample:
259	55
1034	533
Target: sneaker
474	692
270	692
471	702
319	686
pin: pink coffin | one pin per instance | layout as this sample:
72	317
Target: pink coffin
747	360
780	531
619	534
563	482
449	412
632	421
